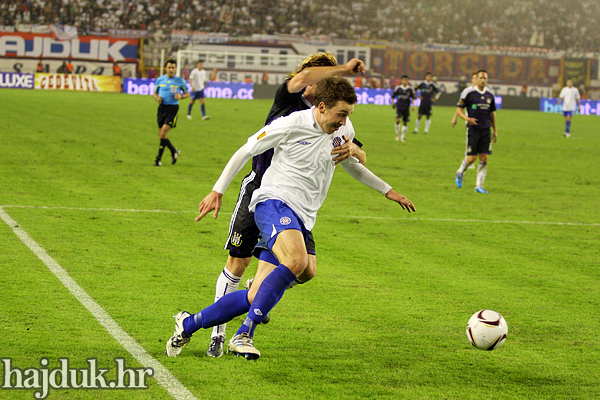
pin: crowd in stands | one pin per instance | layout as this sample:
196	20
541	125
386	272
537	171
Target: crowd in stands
553	24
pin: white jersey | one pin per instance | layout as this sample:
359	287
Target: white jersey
569	97
302	168
197	79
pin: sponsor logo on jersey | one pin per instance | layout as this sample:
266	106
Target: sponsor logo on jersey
304	142
262	135
285	220
489	101
236	239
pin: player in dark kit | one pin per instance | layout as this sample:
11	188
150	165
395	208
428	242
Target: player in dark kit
481	131
167	92
295	94
428	91
403	98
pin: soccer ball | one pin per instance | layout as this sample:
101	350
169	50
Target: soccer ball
487	330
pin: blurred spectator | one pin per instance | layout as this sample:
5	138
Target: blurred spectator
213	75
583	92
265	78
40	67
63	68
358	81
462	84
524	90
69	67
116	69
152	73
248	79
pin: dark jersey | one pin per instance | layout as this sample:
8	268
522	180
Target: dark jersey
284	104
428	91
479	105
403	96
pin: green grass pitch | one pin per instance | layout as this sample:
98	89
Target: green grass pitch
384	318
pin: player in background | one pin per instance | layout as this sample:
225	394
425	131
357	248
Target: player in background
403	98
428	91
197	81
295	94
569	96
481	130
286	205
167	92
473	84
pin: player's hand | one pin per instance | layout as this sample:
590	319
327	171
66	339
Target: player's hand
412	108
209	203
346	150
405	203
495	136
178	96
472	121
355	66
393	105
159	100
454	121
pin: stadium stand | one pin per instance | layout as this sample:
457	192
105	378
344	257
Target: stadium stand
551	24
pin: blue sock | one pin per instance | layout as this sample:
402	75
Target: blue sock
203	110
227	308
190	109
568	127
269	293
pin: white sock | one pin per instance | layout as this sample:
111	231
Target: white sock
404	129
427	124
481	171
417	122
226	283
397	126
463	166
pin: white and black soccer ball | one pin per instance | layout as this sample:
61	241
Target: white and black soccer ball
487	330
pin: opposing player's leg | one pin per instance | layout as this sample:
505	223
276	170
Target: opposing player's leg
567	115
227	282
485	149
427	124
417	123
397	126
470	157
405	120
203	107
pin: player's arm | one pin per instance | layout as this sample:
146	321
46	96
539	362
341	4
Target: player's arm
213	200
461	113
368	178
494	130
185	94
310	76
347	150
261	141
156	95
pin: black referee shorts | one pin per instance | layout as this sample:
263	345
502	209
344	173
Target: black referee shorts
167	115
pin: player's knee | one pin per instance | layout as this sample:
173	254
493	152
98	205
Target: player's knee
237	266
296	262
310	271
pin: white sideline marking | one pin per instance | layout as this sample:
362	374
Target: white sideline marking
324	216
161	374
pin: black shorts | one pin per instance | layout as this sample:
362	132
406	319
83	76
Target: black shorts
403	113
167	115
425	109
243	232
479	141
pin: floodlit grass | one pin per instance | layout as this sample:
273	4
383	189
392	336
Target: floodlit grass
386	314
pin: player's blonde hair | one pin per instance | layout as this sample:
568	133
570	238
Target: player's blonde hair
320	59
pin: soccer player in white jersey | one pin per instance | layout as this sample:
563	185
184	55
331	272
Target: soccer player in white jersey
570	96
285	206
197	80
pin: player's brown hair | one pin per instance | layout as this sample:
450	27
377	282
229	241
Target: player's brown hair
320	59
331	90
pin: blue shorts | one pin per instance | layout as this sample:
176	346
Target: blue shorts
567	113
273	217
197	95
